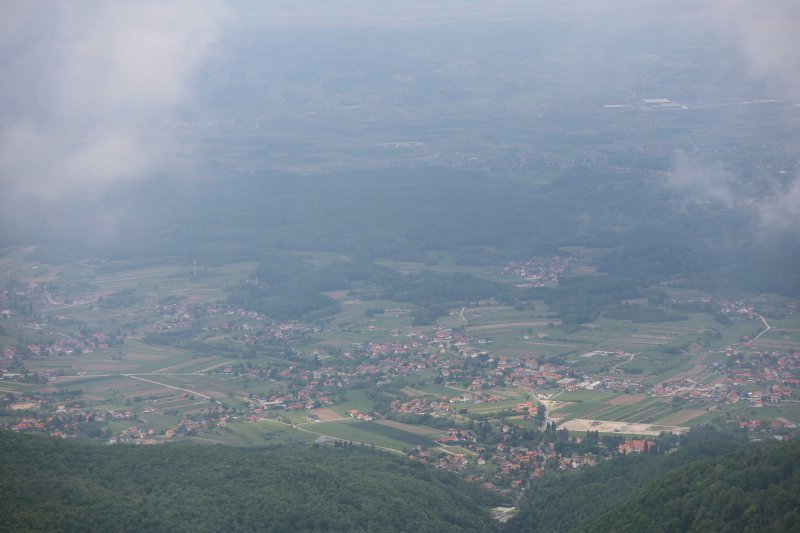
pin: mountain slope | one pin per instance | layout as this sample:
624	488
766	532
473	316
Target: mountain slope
48	484
754	489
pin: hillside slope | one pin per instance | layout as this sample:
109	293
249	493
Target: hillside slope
56	485
754	489
714	482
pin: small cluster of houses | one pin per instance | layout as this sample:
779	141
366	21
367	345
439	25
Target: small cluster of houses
353	413
61	346
740	308
779	429
539	271
65	421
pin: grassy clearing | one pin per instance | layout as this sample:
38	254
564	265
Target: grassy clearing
789	411
585	396
439	390
410	428
458	450
488	408
356	399
580	410
619	412
15	388
370	433
266	432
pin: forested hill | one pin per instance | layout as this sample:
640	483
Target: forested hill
47	484
713	483
754	489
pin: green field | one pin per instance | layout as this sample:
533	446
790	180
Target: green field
371	433
356	399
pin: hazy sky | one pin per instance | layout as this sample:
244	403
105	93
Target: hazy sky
89	86
94	78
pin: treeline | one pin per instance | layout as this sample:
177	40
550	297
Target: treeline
403	213
582	299
49	484
290	288
291	301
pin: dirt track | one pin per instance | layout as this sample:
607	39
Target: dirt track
628	428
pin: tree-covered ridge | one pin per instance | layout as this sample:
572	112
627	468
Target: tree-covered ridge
563	502
713	482
753	489
48	484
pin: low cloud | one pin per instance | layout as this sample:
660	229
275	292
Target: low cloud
88	83
698	182
783	213
766	37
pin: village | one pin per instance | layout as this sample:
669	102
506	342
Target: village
495	419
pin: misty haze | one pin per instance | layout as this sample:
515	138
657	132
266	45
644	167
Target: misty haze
379	266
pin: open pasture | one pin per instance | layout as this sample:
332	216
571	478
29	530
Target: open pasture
372	433
101	384
415	393
128	279
267	432
356	399
508	326
577	409
647	412
682	417
325	414
512	343
626	399
622	412
13	387
192	365
486	407
606	405
410	428
199	384
781	344
585	396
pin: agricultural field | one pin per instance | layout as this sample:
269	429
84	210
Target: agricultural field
164	344
385	436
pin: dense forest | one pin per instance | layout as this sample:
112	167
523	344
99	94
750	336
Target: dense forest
288	288
714	482
636	232
754	489
47	484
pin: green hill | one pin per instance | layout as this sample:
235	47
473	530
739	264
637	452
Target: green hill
47	484
754	489
714	482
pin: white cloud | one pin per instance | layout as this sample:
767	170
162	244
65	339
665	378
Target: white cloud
699	182
783	213
767	35
88	81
